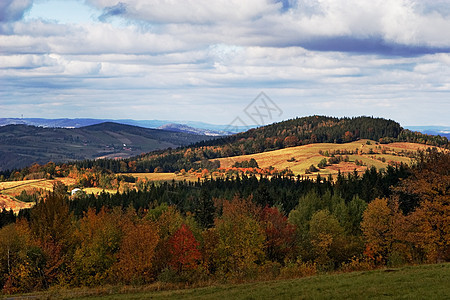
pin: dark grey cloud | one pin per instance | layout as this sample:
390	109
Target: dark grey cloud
370	45
13	10
111	11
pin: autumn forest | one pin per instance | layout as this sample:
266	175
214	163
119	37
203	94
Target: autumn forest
247	224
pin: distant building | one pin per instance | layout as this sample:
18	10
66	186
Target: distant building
74	191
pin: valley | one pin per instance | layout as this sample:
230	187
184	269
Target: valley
22	145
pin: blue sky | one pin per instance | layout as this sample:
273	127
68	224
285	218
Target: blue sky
207	60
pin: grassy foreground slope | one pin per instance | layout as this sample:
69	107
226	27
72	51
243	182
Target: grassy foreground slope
416	282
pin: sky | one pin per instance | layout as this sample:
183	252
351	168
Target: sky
209	61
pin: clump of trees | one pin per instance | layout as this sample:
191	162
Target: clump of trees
252	163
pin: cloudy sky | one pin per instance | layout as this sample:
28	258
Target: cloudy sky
207	60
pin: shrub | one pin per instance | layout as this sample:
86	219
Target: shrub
323	163
311	169
269	270
298	269
357	264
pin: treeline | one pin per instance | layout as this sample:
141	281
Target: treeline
283	192
280	191
290	133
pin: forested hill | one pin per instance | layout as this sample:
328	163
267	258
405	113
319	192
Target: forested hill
290	133
314	129
22	145
319	129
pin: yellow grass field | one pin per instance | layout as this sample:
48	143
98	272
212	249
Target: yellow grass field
164	176
10	189
9	202
308	155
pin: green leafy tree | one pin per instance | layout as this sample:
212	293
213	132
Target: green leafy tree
327	239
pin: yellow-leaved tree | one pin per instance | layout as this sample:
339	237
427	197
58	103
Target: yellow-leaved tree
240	238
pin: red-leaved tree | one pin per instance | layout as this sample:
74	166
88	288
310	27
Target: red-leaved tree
280	235
184	250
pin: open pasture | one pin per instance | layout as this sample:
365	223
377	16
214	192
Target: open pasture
163	176
299	158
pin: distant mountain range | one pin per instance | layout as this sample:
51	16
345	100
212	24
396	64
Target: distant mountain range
433	130
23	145
188	129
178	126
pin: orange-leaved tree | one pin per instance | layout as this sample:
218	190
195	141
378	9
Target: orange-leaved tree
429	186
99	236
384	230
137	252
52	230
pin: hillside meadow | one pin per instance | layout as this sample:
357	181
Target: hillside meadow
299	158
411	282
9	190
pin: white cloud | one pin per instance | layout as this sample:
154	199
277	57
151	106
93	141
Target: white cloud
262	22
189	11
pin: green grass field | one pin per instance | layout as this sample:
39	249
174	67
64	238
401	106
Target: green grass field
417	282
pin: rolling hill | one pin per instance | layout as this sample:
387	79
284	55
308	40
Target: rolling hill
22	145
284	135
297	159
